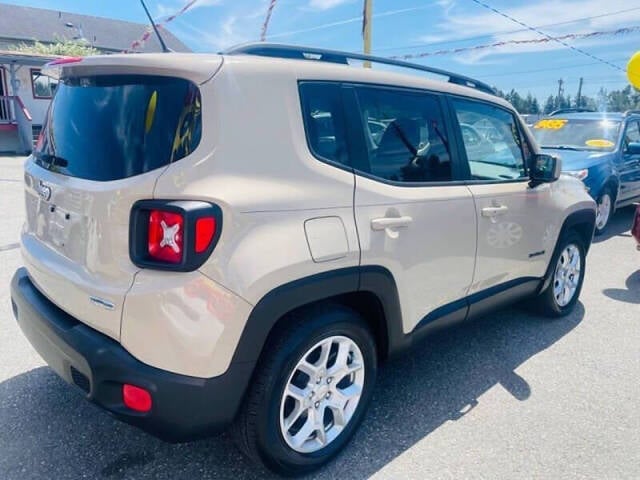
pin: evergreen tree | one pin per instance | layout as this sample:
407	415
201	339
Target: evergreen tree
550	105
535	107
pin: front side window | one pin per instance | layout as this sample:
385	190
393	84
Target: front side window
43	86
405	135
631	134
491	141
323	121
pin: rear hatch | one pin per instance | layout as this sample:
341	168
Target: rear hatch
113	126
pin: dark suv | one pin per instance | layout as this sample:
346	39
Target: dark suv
602	150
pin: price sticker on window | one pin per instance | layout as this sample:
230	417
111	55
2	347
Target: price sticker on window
599	143
551	123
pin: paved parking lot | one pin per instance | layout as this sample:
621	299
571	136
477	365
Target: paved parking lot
509	396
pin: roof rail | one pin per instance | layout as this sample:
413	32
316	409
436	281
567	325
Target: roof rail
571	110
631	112
334	56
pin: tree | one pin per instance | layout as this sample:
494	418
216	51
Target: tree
64	47
550	105
535	106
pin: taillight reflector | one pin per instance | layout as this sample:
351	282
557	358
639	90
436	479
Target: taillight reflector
205	230
136	398
166	236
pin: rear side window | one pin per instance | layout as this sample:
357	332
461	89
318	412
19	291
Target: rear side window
112	127
405	135
324	121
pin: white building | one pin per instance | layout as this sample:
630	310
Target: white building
25	94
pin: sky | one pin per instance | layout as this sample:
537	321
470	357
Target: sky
414	27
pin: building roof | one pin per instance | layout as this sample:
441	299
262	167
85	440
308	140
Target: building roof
21	58
26	24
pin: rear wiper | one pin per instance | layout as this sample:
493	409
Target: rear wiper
51	160
561	147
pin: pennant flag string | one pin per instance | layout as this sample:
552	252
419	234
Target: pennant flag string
149	30
265	25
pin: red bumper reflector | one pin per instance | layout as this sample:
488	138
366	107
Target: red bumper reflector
205	230
136	398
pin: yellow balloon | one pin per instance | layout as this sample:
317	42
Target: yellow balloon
633	70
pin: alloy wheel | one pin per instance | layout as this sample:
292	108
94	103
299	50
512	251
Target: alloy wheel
567	275
322	394
603	211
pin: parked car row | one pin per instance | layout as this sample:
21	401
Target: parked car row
600	149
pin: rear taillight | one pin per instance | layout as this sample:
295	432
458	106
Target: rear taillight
40	140
205	231
165	238
173	235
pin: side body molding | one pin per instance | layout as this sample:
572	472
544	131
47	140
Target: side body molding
379	282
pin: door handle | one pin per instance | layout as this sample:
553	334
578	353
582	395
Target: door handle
494	211
390	222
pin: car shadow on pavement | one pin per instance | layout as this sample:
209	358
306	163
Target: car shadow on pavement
48	431
631	294
619	226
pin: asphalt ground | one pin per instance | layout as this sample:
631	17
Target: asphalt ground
508	396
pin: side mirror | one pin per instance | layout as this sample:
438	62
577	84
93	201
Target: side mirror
545	169
633	148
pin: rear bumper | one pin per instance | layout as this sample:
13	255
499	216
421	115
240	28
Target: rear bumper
184	407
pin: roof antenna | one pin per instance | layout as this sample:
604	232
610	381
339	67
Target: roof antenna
165	49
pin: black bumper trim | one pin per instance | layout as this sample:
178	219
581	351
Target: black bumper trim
184	407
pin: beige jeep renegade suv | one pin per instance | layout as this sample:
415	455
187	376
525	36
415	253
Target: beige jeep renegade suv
241	239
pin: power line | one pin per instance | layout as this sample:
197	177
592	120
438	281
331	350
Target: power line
551	69
598	83
536	30
338	23
508	32
572	36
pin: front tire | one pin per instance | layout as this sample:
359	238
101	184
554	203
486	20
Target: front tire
567	276
604	211
310	391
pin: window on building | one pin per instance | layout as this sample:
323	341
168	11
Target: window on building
43	86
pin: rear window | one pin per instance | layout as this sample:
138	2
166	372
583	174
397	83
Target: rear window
111	127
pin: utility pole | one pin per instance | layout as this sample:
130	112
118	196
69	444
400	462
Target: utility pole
366	29
560	91
579	93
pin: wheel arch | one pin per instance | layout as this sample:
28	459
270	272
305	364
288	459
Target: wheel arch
583	222
370	291
614	184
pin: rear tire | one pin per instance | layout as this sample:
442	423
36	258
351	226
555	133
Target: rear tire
302	374
605	210
567	276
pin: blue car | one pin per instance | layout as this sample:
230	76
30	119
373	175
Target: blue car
602	150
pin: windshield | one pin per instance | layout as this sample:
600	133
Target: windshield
578	134
117	126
